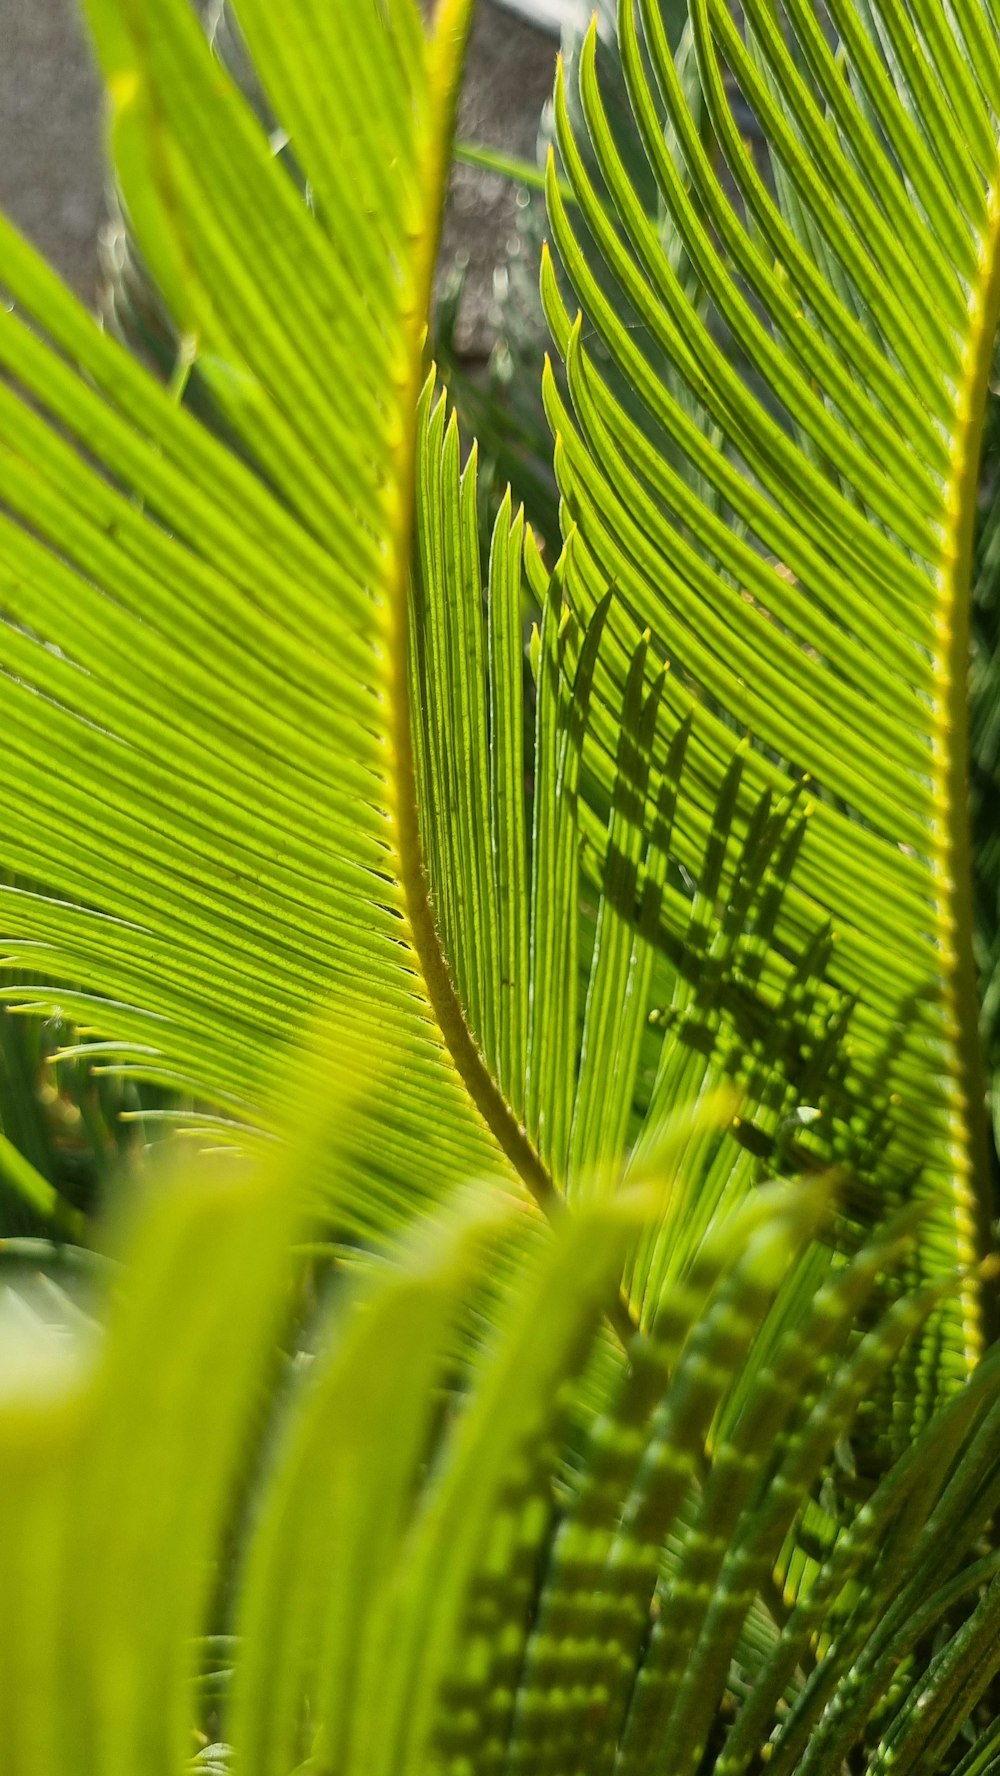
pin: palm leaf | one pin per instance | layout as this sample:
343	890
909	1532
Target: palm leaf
596	1022
479	1565
825	610
272	743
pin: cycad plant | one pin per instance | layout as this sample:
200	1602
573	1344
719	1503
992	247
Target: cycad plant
587	1366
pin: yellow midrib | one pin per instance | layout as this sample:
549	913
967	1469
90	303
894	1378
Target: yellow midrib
446	47
951	836
446	53
952	853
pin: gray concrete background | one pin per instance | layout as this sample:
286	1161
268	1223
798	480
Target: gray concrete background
51	181
509	78
51	173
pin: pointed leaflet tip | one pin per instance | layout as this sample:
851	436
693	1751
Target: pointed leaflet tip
588	52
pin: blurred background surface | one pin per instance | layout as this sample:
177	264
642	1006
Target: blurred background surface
51	172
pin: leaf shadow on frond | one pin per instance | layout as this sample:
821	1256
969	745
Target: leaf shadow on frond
608	979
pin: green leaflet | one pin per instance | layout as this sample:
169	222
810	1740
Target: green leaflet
119	1475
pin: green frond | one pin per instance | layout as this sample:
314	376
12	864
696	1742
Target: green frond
382	836
477	1566
229	839
824	609
604	987
627	920
767	497
119	1473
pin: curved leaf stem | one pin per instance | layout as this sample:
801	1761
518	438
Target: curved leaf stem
953	857
447	51
447	47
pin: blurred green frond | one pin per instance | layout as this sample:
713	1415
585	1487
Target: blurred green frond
471	1571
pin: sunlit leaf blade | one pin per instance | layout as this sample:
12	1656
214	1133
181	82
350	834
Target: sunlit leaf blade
475	1564
637	994
203	682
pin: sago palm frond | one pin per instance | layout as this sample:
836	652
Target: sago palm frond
259	816
227	843
274	742
818	598
482	1567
